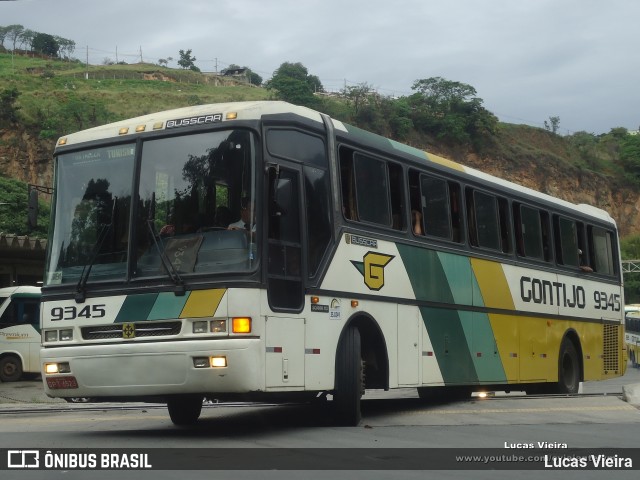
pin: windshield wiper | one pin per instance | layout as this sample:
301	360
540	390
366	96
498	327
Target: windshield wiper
166	263
81	289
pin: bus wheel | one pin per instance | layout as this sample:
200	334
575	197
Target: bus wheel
10	369
349	386
185	409
568	368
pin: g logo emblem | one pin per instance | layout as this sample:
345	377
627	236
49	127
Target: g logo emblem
372	269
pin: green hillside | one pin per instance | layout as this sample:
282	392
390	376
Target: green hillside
42	99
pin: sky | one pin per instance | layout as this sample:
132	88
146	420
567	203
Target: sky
528	60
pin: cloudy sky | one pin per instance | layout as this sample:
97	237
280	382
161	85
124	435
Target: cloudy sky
527	59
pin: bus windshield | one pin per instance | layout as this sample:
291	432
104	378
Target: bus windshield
195	211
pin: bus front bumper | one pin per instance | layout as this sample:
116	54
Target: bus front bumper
154	369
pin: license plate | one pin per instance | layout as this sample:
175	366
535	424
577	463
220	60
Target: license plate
56	383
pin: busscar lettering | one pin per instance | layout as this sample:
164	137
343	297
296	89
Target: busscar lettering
190	121
546	292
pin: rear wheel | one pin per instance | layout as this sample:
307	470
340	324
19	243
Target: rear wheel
185	409
349	386
568	368
10	369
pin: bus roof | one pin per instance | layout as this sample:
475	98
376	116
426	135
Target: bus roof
199	114
26	290
223	112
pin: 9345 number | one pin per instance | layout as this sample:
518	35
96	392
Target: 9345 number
606	302
71	312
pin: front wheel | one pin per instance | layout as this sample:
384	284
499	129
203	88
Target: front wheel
568	368
349	386
185	409
10	369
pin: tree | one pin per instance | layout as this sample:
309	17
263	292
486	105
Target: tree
66	46
8	108
291	82
254	78
45	44
4	31
630	156
451	111
553	125
13	219
14	33
26	39
357	95
187	61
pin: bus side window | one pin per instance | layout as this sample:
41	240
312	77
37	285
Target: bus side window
348	184
30	312
532	236
435	207
488	221
396	195
456	216
415	198
601	250
569	236
9	315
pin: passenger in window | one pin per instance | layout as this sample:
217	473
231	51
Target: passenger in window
416	221
583	265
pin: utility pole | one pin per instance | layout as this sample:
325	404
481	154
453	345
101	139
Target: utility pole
141	54
87	74
116	55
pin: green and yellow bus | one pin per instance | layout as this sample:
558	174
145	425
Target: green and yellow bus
262	250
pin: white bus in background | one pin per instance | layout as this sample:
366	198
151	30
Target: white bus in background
632	333
19	332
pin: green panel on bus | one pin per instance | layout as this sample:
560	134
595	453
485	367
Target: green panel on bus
136	307
167	305
426	273
484	351
446	329
459	275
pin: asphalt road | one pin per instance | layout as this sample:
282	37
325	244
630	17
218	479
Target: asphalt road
391	420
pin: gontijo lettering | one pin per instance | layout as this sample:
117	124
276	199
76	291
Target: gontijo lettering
547	292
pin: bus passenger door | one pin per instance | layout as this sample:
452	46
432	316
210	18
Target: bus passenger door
285	335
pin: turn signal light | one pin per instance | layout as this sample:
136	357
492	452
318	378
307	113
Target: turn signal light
241	324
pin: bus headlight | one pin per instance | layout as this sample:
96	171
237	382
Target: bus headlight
66	335
53	368
218	362
51	336
200	327
218	326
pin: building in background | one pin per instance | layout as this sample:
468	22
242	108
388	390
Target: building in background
21	260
